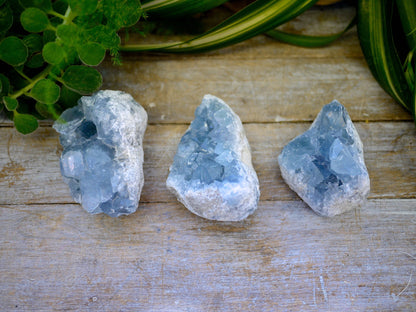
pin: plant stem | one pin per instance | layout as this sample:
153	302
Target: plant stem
39	77
69	16
23	75
52	12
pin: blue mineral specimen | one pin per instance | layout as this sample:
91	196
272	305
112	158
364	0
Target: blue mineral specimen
325	165
212	174
103	156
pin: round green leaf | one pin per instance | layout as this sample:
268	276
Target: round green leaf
44	5
44	110
5	85
6	18
10	103
83	7
46	91
60	6
48	36
13	51
91	53
25	123
82	79
35	61
68	34
68	97
53	53
33	42
34	20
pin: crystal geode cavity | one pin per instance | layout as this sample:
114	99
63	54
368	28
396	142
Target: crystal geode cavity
325	165
212	174
102	160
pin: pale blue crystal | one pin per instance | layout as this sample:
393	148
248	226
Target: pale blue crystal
212	174
103	155
325	165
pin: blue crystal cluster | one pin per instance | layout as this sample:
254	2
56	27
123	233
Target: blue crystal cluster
213	163
102	157
325	165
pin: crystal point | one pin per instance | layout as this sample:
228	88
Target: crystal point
212	173
103	155
325	165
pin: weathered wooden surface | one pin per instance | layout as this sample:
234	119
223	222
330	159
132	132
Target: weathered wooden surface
54	256
163	258
30	164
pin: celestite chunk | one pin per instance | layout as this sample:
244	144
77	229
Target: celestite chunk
325	165
212	173
102	160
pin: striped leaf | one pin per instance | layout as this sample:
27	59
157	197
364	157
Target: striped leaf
407	12
377	44
308	41
178	8
257	18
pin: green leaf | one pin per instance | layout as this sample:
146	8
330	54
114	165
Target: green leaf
45	110
178	8
6	18
33	42
25	123
45	91
68	97
68	34
122	13
308	41
82	79
13	51
83	7
60	6
91	53
5	85
48	36
10	103
44	5
34	20
254	19
377	44
53	53
35	61
407	11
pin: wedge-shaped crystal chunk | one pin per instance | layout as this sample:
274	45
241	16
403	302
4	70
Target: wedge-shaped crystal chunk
325	165
212	173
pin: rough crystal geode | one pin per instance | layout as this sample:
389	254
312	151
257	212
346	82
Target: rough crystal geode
212	173
325	165
102	160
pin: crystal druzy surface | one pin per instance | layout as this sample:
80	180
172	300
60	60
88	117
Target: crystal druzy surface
325	165
212	174
103	156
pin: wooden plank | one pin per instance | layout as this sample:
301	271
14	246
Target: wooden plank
29	165
259	90
163	258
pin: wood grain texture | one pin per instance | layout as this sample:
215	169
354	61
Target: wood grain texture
56	257
29	165
163	258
